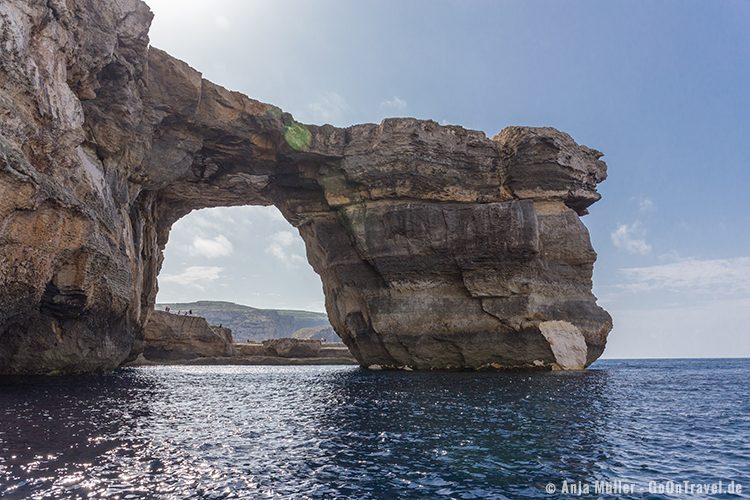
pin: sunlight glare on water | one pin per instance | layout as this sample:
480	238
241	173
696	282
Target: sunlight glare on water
228	432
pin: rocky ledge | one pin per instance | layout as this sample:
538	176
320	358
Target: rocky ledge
186	339
172	337
437	246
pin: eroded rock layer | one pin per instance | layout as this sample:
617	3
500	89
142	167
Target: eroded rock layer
172	337
437	246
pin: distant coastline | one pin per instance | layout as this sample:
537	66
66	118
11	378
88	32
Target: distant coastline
176	337
255	324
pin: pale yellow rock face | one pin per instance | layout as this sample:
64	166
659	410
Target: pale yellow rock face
567	343
437	247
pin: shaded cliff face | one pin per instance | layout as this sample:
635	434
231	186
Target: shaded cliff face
169	337
437	246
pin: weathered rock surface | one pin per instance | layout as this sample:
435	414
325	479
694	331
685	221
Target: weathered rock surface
437	247
293	348
169	337
289	351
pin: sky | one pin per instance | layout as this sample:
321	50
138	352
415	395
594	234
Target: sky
660	86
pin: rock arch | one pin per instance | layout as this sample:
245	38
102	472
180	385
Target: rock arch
437	247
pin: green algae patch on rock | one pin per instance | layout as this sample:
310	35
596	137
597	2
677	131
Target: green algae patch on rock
297	136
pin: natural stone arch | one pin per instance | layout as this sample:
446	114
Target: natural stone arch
437	247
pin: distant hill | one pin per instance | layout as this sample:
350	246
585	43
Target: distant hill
250	323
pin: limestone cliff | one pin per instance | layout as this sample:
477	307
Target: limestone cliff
437	246
169	337
253	324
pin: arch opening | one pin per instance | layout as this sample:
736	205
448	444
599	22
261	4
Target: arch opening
235	286
248	255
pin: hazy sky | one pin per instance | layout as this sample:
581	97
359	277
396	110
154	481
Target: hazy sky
661	87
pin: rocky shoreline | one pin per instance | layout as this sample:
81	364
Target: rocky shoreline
250	360
180	339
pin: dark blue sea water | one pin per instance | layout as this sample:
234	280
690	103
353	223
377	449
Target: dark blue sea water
341	432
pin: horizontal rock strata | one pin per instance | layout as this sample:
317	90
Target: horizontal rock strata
437	247
169	337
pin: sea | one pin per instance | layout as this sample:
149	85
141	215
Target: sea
621	429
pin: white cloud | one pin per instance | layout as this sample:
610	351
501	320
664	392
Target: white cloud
211	247
631	238
328	108
222	22
209	219
285	238
646	205
717	277
282	247
193	276
714	328
395	104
